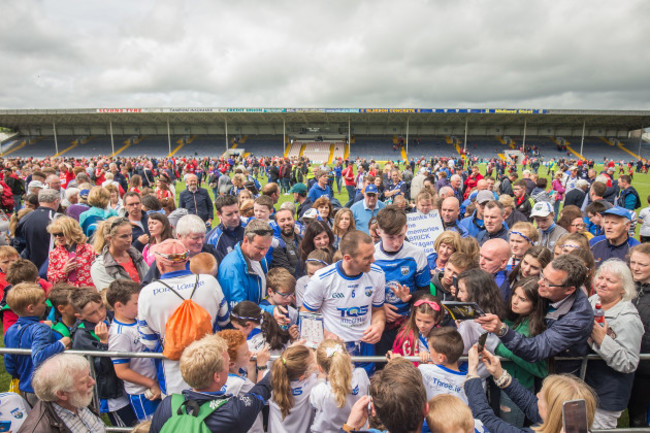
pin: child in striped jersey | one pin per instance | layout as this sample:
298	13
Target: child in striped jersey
334	397
293	377
243	371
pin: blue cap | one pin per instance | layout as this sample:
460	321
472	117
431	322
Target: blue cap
618	211
372	188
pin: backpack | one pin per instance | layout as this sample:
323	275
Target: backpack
188	323
193	422
292	176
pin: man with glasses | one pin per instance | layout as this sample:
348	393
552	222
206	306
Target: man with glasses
160	299
137	218
368	208
190	230
569	317
242	273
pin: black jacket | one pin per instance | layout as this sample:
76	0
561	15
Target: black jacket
198	203
287	256
642	303
108	384
574	197
33	229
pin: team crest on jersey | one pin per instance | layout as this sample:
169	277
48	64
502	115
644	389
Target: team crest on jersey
368	291
405	270
17	413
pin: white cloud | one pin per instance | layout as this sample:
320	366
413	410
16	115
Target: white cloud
580	54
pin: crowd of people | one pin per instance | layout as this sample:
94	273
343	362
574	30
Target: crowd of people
108	255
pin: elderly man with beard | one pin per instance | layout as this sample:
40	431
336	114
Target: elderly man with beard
64	388
287	253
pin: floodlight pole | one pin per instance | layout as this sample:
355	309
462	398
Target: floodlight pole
408	124
284	136
110	128
582	140
640	141
523	143
56	142
226	123
169	137
465	143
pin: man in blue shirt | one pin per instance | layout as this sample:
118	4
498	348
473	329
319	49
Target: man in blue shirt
321	187
617	242
367	208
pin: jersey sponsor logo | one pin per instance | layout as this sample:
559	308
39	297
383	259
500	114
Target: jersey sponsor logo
353	311
296	391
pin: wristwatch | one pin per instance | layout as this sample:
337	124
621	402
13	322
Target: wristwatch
261	367
502	330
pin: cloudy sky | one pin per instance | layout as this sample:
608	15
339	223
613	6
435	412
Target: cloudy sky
339	53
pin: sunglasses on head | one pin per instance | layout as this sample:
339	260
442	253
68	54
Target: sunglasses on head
178	257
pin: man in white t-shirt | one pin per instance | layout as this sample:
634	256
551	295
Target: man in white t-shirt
350	295
157	303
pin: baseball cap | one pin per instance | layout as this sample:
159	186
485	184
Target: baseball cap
171	251
617	211
310	214
573	167
299	188
83	193
484	196
542	209
611	169
35	184
372	189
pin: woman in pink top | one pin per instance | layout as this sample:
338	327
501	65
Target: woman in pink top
559	192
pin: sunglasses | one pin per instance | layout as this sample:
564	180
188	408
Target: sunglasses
178	257
58	235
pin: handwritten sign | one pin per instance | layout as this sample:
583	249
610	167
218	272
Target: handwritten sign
422	230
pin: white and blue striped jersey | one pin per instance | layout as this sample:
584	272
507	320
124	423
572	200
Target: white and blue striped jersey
407	267
124	337
345	302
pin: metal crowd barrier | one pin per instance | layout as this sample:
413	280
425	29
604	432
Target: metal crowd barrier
90	354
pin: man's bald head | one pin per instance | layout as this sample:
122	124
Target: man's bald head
449	210
481	185
494	255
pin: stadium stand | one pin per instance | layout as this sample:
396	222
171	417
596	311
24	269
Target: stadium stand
377	147
317	151
262	144
430	146
199	145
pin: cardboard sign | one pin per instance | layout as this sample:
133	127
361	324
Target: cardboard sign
422	230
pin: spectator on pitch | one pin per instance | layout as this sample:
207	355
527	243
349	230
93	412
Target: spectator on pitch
405	267
398	399
230	230
368	208
138	220
33	227
569	317
321	187
157	302
65	391
474	223
494	257
299	192
196	200
287	254
204	366
190	230
521	197
449	212
628	197
577	195
242	273
493	220
617	243
549	232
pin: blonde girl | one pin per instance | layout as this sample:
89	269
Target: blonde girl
293	376
343	386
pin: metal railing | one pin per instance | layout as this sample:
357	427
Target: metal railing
90	354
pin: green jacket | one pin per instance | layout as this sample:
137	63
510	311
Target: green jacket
524	371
